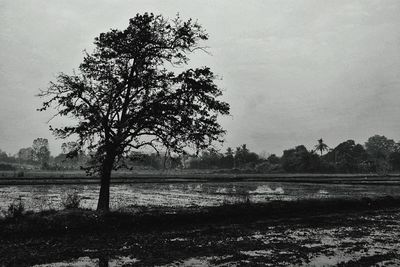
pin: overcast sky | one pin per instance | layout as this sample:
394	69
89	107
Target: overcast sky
292	71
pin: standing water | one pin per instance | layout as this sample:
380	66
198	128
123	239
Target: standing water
41	197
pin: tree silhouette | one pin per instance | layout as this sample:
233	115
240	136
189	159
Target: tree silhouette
41	151
379	148
321	146
127	95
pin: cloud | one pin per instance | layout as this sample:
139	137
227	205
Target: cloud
293	71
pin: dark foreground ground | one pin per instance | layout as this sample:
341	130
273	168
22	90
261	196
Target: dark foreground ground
304	233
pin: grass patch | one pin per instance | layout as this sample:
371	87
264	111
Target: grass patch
71	200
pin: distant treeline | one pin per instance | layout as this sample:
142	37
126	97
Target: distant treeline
378	155
38	156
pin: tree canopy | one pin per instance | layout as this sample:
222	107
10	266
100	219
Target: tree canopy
321	146
41	152
127	94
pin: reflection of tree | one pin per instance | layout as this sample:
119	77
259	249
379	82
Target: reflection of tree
103	261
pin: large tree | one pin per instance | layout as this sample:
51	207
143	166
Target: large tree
379	146
379	149
128	94
299	159
348	157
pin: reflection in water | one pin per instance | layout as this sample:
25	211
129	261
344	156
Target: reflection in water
103	262
42	197
265	189
87	261
323	192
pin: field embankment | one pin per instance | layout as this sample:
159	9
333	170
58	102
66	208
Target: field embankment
77	177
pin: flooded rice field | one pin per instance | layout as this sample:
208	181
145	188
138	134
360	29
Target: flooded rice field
365	238
41	197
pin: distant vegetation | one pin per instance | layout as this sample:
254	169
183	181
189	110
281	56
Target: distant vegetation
378	155
38	157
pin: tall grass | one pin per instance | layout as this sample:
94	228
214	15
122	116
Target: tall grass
71	200
16	209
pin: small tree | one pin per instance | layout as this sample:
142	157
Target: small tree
26	154
127	95
321	146
41	151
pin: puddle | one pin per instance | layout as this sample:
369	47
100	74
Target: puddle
88	262
389	263
199	262
178	239
324	260
265	189
221	190
257	253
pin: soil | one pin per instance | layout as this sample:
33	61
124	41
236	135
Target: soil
367	237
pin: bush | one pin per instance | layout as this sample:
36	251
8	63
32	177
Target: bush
16	209
71	200
267	167
6	167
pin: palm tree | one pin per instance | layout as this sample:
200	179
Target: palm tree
321	146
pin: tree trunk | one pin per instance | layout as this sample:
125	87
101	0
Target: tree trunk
104	197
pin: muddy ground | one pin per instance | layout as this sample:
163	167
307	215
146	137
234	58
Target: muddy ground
364	238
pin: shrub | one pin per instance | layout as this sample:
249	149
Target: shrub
16	209
6	167
71	200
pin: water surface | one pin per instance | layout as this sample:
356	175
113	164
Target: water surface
41	197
